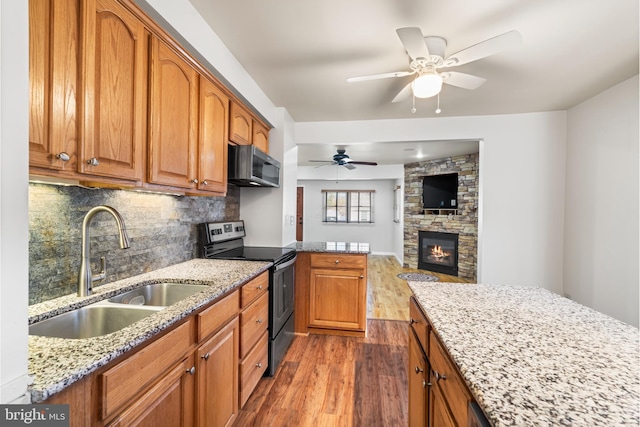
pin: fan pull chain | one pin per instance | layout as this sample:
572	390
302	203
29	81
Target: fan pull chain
413	110
438	110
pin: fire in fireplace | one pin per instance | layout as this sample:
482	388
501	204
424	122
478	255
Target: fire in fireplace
438	252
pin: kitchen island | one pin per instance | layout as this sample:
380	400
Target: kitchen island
331	288
56	363
531	357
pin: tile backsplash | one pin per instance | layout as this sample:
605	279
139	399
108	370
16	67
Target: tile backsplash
163	230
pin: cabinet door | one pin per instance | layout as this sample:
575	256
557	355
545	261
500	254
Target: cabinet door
217	378
168	403
53	49
114	87
173	118
260	137
240	122
418	377
214	116
439	415
338	299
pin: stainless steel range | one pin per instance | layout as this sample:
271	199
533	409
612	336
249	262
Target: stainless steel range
224	240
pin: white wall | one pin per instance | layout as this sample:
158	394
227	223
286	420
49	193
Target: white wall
601	229
14	226
380	235
522	171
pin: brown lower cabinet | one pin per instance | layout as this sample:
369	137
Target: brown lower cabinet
188	376
438	395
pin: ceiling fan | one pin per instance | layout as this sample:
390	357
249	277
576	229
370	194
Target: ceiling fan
427	57
342	159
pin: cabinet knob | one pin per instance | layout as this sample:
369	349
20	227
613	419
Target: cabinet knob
93	161
362	276
191	371
258	365
259	320
412	321
204	182
205	356
194	181
438	376
337	261
259	287
419	369
425	384
63	156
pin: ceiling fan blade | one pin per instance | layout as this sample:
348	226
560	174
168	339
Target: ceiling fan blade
465	81
348	166
380	76
413	41
364	163
483	49
322	161
403	94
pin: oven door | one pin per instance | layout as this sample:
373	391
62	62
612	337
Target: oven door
282	291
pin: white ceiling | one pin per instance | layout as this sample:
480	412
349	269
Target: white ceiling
301	53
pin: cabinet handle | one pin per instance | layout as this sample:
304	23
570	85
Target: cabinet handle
419	370
194	181
205	356
258	365
93	161
259	320
191	371
438	376
63	156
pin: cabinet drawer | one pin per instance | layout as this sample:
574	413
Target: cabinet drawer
450	383
253	367
419	324
255	288
122	382
338	260
254	320
216	316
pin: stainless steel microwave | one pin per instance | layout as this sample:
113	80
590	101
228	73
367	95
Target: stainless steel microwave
251	167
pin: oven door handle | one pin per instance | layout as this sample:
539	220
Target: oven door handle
286	264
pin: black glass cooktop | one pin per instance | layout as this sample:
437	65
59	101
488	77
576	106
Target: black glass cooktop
255	253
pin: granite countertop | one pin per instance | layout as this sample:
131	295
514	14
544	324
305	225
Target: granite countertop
333	247
532	357
55	363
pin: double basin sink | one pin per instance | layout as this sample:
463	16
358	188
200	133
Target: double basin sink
118	312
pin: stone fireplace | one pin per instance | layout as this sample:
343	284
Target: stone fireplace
462	222
438	252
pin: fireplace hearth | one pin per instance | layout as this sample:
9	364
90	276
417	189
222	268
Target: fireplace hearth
438	252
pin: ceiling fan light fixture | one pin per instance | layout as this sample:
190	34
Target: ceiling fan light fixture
427	84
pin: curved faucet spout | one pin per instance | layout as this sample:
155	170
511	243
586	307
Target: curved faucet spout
85	277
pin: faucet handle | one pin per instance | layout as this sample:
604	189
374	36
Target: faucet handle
103	271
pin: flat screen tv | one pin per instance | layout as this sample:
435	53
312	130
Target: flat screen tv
440	191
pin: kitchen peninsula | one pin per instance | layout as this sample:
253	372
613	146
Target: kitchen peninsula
331	288
526	355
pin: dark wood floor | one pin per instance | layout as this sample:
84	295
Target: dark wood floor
336	381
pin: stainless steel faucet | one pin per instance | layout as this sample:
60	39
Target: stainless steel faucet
85	278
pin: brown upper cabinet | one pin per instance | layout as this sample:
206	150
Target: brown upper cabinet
53	51
213	131
240	125
260	136
114	86
173	118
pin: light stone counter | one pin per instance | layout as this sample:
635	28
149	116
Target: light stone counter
55	363
533	358
333	247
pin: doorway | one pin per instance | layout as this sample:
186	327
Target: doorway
299	212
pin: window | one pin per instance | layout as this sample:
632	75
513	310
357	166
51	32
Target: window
347	206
